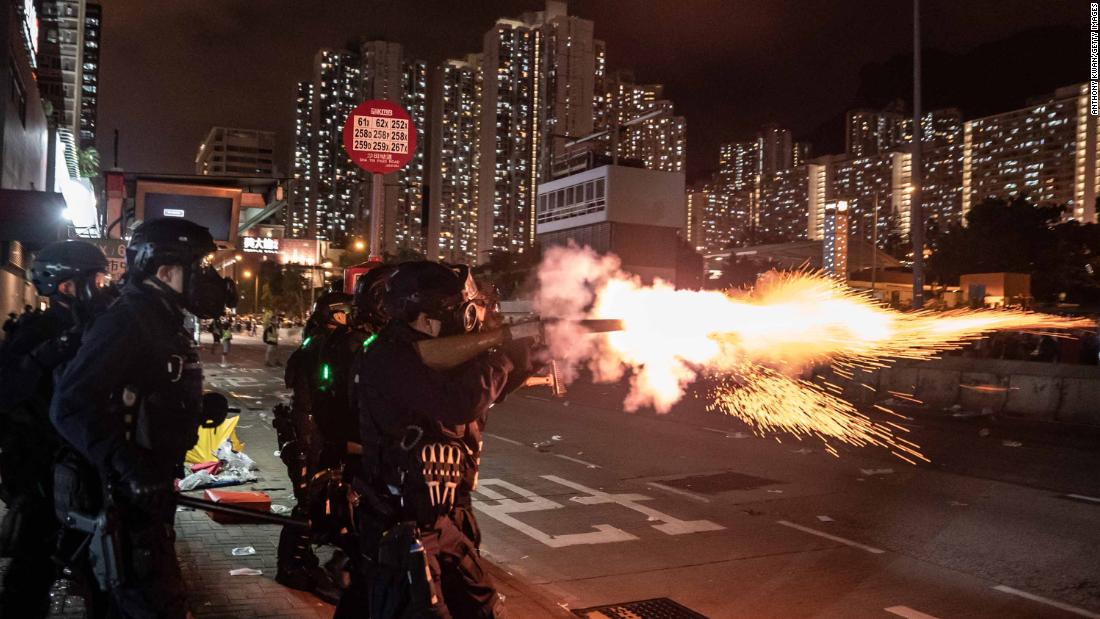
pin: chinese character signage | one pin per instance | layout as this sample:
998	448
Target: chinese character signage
379	137
258	245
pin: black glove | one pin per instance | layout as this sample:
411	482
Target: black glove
58	350
137	481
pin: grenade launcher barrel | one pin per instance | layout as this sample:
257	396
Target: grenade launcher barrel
443	353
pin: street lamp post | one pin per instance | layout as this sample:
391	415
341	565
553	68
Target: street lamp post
874	245
916	215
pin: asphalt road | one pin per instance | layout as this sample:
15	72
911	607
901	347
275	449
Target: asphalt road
598	506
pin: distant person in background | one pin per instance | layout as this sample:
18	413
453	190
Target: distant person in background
9	324
215	334
271	338
227	338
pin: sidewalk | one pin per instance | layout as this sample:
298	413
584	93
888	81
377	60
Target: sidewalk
205	547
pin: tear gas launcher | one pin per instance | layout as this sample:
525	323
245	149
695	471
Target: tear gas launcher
443	353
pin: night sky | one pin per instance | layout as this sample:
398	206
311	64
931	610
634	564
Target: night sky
171	73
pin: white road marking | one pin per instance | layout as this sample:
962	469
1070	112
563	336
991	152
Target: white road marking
684	493
502	438
579	461
1081	497
1049	602
669	525
504	507
908	613
846	542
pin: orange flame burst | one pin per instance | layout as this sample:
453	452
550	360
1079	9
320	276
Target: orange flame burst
755	342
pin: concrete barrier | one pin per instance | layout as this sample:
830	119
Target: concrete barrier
1040	391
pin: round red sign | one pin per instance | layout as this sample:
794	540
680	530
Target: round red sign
379	136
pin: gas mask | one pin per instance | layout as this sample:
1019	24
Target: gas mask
469	315
207	294
91	296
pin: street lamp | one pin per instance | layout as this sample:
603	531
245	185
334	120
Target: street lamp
247	274
360	245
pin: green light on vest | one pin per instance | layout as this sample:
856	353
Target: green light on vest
326	371
306	342
370	340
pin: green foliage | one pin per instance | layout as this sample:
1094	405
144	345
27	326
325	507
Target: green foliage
88	161
1018	236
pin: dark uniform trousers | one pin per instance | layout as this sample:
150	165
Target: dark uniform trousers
154	587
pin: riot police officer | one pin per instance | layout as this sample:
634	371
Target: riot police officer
130	403
421	434
302	440
71	274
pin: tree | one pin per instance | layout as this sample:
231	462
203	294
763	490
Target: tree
87	161
1020	237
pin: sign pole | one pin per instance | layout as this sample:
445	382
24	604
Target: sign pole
380	138
377	209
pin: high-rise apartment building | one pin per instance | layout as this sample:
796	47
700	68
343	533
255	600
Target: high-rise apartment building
776	150
296	213
409	228
455	129
834	243
68	64
568	74
783	202
714	221
658	142
333	198
510	122
737	166
1047	151
386	74
870	132
227	151
335	195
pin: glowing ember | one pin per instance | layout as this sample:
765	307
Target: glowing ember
756	343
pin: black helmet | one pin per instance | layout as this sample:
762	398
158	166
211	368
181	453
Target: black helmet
328	305
57	262
167	241
370	292
443	292
162	242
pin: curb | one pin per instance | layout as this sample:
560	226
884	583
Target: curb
521	598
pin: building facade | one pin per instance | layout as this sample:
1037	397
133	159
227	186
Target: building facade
336	195
509	128
228	151
296	215
1047	151
634	213
68	64
333	200
455	152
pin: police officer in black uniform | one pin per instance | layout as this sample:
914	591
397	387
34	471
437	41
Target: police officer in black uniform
421	434
71	274
130	403
301	433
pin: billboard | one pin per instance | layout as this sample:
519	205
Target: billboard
217	208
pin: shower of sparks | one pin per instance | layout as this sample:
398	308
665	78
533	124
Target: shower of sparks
756	344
